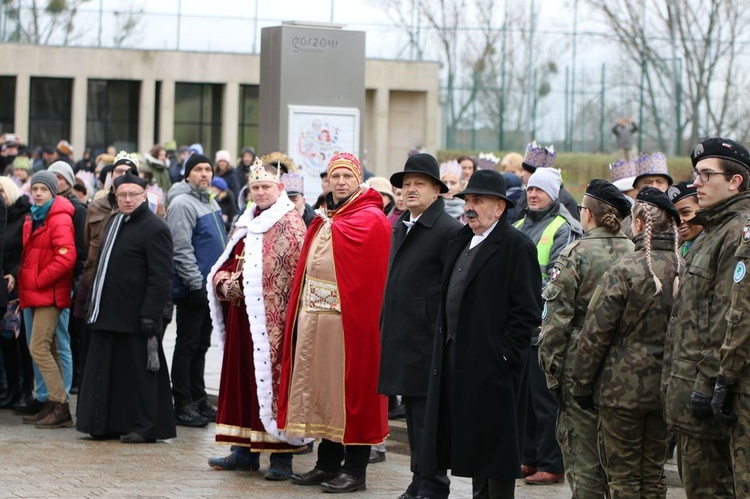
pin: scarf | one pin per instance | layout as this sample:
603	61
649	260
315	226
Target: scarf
101	269
39	213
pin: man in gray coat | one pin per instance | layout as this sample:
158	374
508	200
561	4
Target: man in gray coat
408	320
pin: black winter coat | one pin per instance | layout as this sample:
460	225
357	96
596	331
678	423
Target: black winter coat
13	241
501	306
139	275
408	320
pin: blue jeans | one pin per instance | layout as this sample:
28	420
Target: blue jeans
245	454
62	338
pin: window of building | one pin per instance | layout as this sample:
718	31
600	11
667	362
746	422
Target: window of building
7	104
112	114
49	111
249	117
157	111
197	115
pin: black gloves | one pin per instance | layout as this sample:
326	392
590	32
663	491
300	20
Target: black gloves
721	404
700	406
198	297
149	327
585	402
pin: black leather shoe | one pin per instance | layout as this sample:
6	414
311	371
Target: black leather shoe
313	477
188	416
28	405
136	438
206	410
344	482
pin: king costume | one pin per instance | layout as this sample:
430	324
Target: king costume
259	264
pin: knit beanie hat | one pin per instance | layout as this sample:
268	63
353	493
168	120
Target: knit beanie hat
223	156
547	179
47	178
22	163
193	160
64	169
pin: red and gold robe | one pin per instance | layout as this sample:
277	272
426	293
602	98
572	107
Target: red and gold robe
265	249
331	355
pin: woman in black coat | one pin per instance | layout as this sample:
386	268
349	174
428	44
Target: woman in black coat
120	394
16	358
480	433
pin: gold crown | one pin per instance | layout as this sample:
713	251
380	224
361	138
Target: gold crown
258	173
279	159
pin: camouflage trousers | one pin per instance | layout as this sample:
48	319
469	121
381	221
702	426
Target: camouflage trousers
633	450
577	435
739	445
705	467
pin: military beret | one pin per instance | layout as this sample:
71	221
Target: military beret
655	197
129	178
681	190
721	148
608	193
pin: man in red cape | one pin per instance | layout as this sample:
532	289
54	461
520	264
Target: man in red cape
329	377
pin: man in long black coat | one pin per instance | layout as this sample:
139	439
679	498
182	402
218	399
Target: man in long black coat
490	304
408	320
125	391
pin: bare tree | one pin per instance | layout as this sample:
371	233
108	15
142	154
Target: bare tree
707	37
127	26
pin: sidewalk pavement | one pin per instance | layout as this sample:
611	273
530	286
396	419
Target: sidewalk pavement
65	463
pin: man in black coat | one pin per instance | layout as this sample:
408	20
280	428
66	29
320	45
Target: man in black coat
125	391
408	320
490	304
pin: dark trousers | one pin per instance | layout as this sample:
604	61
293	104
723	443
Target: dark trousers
541	450
435	486
189	360
77	329
331	454
493	489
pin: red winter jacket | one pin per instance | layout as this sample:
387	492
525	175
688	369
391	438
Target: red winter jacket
45	277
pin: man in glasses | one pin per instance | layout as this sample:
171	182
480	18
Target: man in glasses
721	170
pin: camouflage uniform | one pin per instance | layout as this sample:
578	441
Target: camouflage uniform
576	274
734	354
696	332
620	358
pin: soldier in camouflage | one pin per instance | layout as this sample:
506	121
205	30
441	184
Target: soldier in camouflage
619	360
697	328
576	273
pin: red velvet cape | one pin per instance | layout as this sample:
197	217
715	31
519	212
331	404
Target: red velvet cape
361	240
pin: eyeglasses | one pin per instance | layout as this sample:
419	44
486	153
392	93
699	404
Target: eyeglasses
581	208
126	195
705	175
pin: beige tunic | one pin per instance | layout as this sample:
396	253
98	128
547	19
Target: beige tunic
316	399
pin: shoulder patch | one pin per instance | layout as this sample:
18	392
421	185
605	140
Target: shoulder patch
746	233
554	273
739	271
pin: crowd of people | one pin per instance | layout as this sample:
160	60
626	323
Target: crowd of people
525	335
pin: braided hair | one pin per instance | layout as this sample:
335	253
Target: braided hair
657	220
604	214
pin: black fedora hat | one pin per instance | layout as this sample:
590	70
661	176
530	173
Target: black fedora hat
420	163
487	183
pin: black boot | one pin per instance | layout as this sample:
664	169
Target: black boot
186	415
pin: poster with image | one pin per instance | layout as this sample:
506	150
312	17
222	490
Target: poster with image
315	135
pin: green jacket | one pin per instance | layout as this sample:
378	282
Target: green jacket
576	274
698	324
621	345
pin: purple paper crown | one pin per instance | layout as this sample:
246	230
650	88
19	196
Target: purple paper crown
451	166
293	182
656	164
623	168
487	161
540	157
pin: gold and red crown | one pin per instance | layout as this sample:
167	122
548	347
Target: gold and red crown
258	173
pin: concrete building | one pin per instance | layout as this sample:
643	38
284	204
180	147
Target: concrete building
136	98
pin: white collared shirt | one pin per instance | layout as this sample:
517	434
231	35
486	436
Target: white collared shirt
411	222
478	238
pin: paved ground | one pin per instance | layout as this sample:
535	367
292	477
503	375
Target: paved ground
65	463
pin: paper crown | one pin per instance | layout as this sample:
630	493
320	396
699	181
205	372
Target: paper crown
624	169
540	157
451	166
258	173
128	158
277	159
487	161
293	182
656	164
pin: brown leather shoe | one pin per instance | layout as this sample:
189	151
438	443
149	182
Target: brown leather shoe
57	417
36	417
544	478
527	470
344	482
313	477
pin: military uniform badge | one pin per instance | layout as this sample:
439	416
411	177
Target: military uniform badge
554	273
739	272
746	233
